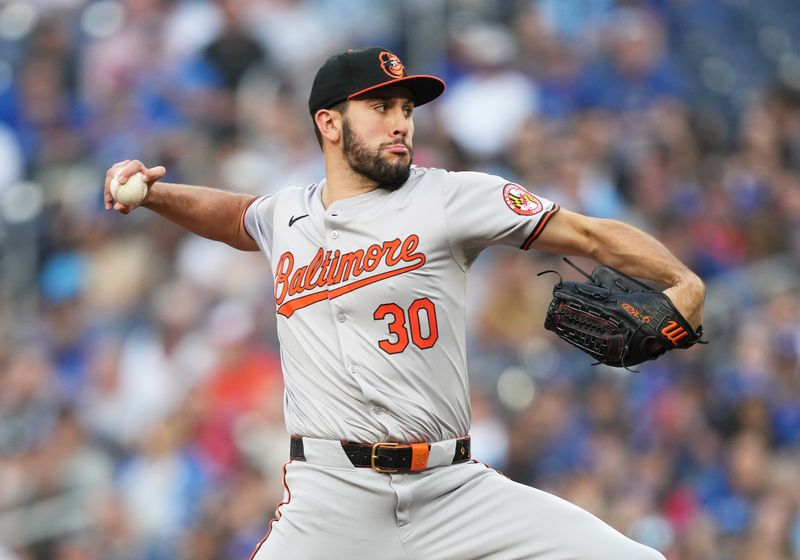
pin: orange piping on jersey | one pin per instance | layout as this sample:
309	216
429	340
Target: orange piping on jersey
277	511
244	212
543	222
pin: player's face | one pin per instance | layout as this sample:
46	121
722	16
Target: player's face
377	134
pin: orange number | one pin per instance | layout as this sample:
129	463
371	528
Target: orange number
397	326
426	305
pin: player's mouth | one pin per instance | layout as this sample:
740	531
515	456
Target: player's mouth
401	149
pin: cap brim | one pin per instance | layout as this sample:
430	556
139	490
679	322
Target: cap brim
424	88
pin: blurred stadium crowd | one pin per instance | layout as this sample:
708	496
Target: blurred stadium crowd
140	388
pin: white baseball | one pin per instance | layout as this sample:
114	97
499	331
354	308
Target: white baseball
130	193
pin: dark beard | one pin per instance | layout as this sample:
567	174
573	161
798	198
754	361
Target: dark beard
389	176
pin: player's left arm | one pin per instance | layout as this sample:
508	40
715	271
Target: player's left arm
629	250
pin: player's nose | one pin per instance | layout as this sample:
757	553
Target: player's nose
400	124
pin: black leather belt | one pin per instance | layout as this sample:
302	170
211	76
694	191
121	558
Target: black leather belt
387	457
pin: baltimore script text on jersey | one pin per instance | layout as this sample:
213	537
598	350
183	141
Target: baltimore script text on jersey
330	268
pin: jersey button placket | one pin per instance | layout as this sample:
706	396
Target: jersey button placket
340	315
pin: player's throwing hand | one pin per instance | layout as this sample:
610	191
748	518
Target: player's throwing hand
128	183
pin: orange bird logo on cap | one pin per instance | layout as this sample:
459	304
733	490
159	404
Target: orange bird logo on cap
391	64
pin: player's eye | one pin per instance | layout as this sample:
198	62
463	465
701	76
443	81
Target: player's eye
407	110
381	107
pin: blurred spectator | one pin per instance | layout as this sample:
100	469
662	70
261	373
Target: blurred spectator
28	403
162	486
634	75
155	368
486	106
577	21
243	376
233	52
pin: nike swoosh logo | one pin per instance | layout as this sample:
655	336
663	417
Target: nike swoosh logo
292	220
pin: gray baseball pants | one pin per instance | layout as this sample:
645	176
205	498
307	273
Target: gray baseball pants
334	511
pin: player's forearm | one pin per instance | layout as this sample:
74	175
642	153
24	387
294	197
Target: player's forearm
207	212
636	253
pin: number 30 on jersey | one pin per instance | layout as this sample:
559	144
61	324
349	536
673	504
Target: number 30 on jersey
417	324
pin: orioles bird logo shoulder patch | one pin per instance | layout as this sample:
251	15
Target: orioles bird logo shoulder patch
520	200
391	64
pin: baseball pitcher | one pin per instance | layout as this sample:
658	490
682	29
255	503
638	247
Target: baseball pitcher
370	268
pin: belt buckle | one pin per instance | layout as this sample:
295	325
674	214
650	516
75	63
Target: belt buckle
374	457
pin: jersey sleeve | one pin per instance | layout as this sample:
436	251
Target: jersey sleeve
258	219
482	210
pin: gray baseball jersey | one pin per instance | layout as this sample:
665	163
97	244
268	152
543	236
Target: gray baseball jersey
370	299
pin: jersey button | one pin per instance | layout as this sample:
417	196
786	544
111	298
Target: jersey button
334	234
376	410
341	318
352	369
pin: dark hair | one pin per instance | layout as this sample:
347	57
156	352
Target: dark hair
340	107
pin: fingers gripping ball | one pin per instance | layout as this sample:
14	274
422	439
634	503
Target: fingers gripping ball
132	192
616	319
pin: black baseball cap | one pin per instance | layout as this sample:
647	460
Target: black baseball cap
358	71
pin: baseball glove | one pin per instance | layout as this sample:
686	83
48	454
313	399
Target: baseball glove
615	319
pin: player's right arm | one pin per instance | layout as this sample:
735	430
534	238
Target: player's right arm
210	213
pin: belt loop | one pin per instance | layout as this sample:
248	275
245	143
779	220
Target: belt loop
419	456
463	451
296	449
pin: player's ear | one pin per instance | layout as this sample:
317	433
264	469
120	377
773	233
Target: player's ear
329	124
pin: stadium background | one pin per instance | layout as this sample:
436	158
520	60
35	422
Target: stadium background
140	392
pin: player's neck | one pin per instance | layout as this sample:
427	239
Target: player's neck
342	182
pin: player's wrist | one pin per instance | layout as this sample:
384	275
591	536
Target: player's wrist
153	193
688	296
693	286
157	196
